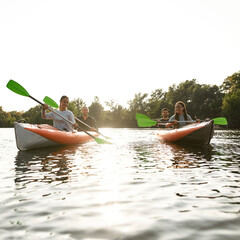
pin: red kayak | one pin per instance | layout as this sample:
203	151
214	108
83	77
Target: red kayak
30	136
197	133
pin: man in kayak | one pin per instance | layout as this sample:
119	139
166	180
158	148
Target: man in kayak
180	117
89	120
59	122
164	119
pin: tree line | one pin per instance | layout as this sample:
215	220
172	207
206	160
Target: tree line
202	101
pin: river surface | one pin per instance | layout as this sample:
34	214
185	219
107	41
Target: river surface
136	188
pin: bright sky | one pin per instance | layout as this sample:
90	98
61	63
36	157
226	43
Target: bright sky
114	49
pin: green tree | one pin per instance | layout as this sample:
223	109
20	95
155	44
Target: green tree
116	114
76	106
231	83
231	103
34	115
182	92
138	104
5	118
202	101
97	110
231	100
155	103
206	101
15	116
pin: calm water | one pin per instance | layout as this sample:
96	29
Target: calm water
136	188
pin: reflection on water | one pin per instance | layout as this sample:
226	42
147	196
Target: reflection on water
50	164
174	155
185	156
136	188
47	165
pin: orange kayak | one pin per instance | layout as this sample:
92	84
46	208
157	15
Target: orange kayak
197	133
30	136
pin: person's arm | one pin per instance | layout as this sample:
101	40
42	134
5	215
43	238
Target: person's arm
45	106
174	122
75	125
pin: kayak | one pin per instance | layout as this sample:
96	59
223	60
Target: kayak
197	133
29	136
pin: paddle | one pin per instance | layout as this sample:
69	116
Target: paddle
17	88
145	121
52	103
220	121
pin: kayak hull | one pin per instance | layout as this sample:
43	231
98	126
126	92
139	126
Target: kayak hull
29	136
199	133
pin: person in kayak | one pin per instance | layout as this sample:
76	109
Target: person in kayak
164	119
89	120
176	121
59	122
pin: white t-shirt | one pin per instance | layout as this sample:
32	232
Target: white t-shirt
181	118
59	122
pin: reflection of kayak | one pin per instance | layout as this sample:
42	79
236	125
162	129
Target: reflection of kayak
30	136
199	133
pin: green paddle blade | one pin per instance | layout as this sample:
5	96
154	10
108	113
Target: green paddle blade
101	141
144	121
140	116
50	102
17	88
220	121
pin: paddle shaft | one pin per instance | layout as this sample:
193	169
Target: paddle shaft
82	122
183	121
36	100
89	126
177	121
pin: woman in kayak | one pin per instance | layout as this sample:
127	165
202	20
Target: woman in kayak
59	122
180	116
